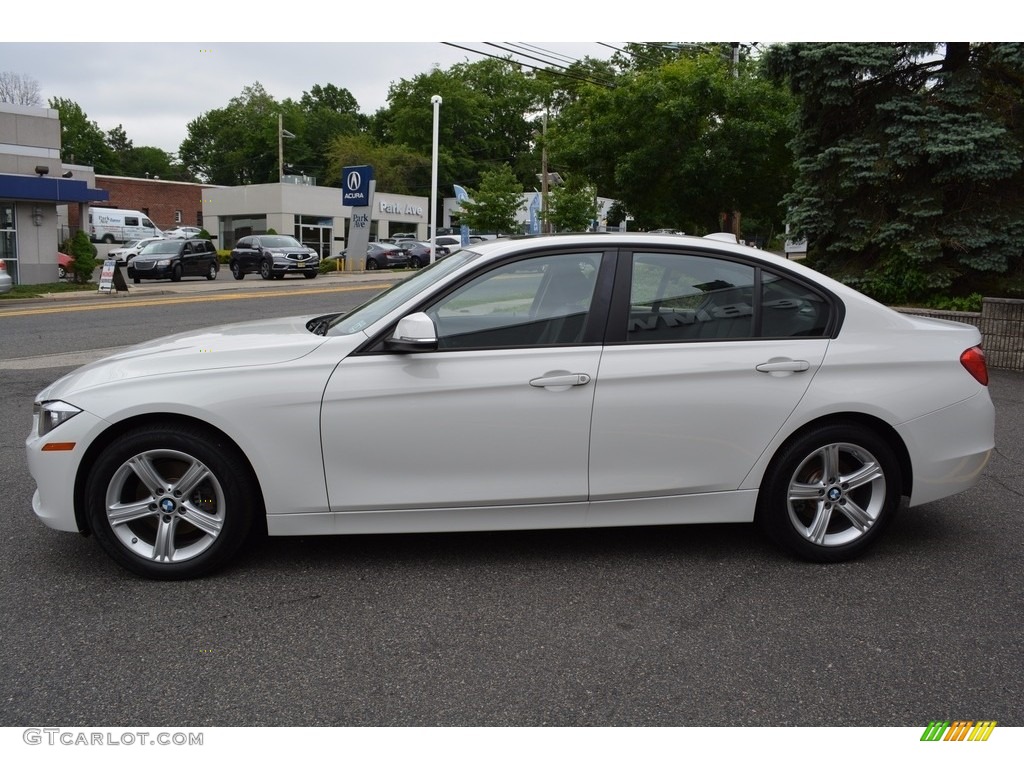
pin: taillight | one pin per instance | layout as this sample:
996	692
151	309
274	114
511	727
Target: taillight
973	360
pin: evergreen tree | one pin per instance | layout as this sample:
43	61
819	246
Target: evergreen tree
909	160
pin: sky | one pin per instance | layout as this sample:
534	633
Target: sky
151	69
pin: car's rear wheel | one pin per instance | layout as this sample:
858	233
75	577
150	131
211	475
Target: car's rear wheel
169	501
371	264
108	239
830	493
266	270
415	262
61	273
211	273
236	270
176	273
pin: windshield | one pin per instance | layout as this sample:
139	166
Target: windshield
161	246
279	241
383	303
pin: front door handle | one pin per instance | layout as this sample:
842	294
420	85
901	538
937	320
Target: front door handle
783	365
561	380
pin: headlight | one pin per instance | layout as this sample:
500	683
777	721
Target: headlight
50	415
163	262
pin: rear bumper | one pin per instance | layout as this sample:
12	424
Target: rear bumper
950	447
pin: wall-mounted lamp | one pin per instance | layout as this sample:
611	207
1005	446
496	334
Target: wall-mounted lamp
67	175
42	170
37	215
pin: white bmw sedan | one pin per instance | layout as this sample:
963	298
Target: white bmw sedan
567	381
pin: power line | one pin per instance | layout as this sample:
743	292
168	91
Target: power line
557	71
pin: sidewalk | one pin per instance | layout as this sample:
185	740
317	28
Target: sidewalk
224	282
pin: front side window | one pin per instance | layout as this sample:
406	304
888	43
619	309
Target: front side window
541	301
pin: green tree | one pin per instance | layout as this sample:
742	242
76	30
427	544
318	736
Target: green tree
237	144
572	207
396	168
81	139
328	112
909	161
493	206
83	252
487	119
681	141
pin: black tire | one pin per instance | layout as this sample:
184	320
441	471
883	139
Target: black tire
176	273
830	493
371	264
170	532
236	270
136	280
108	239
211	273
266	270
415	262
309	275
61	273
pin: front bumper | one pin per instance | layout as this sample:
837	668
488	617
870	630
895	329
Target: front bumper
56	471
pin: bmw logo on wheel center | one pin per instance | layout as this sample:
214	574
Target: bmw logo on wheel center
356	190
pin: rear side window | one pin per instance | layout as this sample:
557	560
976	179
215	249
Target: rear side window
694	297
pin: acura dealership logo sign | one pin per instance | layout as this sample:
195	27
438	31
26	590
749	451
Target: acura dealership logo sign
356	188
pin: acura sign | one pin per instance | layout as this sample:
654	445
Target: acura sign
356	185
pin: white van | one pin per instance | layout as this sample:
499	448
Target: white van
113	225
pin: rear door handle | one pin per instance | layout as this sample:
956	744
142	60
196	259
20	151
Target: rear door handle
783	365
561	380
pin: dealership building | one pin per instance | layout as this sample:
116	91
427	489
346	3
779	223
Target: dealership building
36	188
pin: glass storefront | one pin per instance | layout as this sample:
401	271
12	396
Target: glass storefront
315	232
9	240
233	228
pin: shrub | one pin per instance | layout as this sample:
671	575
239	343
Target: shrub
84	254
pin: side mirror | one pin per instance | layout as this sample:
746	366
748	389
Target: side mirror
414	333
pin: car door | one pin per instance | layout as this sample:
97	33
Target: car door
498	415
707	358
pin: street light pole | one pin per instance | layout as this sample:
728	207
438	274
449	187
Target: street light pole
432	227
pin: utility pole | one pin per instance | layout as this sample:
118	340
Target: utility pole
545	226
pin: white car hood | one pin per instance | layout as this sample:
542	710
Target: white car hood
260	342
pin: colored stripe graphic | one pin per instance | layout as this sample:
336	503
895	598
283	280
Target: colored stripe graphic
958	730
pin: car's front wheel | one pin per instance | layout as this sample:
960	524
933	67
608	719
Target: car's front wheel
236	270
176	273
266	269
309	275
830	493
169	501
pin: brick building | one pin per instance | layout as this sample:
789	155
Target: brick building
169	204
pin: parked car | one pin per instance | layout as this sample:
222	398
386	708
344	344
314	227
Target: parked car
419	253
130	250
65	265
383	256
175	259
6	283
273	256
552	382
183	233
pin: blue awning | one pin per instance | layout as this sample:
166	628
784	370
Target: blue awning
45	189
